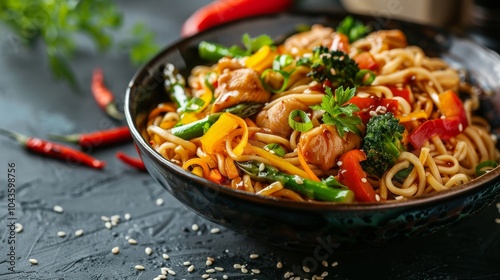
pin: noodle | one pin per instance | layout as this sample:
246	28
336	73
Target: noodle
439	164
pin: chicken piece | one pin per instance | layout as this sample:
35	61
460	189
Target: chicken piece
392	38
238	86
306	41
276	118
322	145
227	63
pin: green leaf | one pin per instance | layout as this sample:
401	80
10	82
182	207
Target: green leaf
253	44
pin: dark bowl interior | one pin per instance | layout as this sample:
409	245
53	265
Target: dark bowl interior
303	225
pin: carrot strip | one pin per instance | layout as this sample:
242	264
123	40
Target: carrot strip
306	168
280	163
200	162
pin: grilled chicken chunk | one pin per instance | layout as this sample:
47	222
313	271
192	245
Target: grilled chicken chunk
238	86
317	36
276	118
322	145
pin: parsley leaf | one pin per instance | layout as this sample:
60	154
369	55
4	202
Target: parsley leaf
337	112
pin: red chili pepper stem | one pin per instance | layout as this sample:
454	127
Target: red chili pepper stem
112	110
53	150
71	138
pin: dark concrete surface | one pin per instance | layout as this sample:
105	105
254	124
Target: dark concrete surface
32	102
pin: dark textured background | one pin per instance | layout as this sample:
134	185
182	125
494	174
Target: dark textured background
33	103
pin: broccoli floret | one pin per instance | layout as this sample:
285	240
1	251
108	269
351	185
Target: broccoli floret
382	143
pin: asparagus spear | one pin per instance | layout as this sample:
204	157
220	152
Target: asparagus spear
175	85
310	189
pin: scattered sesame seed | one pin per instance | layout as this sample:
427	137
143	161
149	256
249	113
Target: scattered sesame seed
306	269
237	265
262	166
279	265
127	216
157	278
115	217
105	219
58	209
187	263
208	263
244	270
164	270
215	230
115	250
191	268
254	256
218	268
79	232
148	251
324	274
139	267
162	277
205	276
498	205
159	201
364	180
108	225
334	264
132	241
497	220
211	270
287	274
170	271
377	197
256	271
324	263
165	257
195	227
33	261
18	227
61	234
296	278
114	223
225	277
298	180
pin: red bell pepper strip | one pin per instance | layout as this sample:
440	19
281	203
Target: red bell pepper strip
352	175
454	123
133	162
103	95
366	61
405	92
368	104
98	138
54	150
222	11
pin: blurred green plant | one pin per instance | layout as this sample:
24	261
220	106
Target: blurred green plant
57	22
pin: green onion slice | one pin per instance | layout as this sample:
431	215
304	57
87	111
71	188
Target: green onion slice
208	83
282	61
284	74
360	77
485	166
194	104
303	126
275	148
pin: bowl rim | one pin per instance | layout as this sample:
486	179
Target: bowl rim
420	201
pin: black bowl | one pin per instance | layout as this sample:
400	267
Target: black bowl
304	224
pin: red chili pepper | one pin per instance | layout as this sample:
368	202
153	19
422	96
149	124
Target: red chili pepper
222	11
368	104
366	61
103	96
352	175
54	150
401	92
97	138
454	123
133	162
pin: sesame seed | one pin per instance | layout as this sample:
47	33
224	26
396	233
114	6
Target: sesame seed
191	268
364	180
195	227
18	227
164	270
460	127
225	277
205	276
58	209
237	265
279	265
339	163
208	263
157	278
79	232
148	251
108	225
413	119
162	277
211	270
127	216
298	180
33	261
132	241
139	267
377	197
306	269
170	271
287	274
61	234
324	263
115	250
114	223
186	263
244	270
256	271
218	268
334	264
296	278
105	219
498	205
165	257
324	274
497	220
215	230
262	166
159	201
373	113
115	217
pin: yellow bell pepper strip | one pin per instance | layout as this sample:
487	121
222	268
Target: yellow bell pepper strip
352	175
195	162
261	60
454	123
214	138
413	116
280	163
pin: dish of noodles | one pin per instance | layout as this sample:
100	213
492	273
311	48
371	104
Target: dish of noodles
330	114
